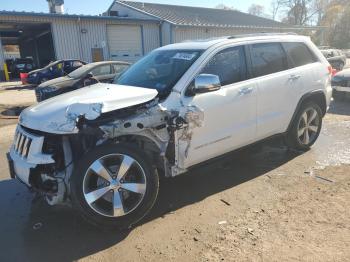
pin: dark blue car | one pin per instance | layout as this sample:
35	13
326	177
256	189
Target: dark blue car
53	70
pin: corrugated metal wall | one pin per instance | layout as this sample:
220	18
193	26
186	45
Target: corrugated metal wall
95	37
66	38
166	33
151	37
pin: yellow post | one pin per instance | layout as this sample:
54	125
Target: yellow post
6	71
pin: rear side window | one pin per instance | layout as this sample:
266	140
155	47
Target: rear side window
77	64
268	58
299	53
229	65
101	70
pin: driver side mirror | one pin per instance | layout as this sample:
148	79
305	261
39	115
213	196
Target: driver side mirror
89	75
204	83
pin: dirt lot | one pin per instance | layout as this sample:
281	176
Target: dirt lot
273	205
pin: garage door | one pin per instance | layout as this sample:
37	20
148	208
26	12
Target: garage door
124	42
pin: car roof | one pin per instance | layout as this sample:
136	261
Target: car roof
109	62
203	44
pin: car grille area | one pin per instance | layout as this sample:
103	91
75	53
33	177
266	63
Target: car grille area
29	147
22	143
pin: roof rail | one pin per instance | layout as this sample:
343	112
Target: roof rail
260	34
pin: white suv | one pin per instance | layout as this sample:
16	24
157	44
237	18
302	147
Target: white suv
105	146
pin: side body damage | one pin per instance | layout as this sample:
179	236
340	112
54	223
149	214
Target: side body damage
149	126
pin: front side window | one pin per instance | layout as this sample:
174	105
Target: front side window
268	58
299	53
160	70
229	65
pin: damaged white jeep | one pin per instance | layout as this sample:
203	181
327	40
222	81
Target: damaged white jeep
104	147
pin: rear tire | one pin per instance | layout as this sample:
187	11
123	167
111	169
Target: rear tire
114	186
305	128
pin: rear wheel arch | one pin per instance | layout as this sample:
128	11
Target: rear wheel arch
317	97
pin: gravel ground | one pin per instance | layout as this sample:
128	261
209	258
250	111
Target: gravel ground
273	205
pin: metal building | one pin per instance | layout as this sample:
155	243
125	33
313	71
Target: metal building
127	31
48	37
180	23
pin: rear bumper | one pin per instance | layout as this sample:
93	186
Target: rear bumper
342	88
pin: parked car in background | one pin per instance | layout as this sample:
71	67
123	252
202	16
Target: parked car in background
53	70
104	147
323	47
21	65
346	53
341	84
86	75
335	57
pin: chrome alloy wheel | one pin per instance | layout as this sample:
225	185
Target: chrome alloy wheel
308	126
114	185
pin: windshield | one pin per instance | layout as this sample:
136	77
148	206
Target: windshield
159	70
51	64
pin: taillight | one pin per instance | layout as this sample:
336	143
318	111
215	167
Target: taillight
332	71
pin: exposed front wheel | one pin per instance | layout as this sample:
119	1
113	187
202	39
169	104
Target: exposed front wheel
306	127
114	186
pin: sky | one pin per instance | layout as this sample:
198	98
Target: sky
95	7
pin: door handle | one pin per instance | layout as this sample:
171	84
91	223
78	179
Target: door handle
294	77
245	90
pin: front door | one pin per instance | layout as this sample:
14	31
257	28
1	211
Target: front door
229	114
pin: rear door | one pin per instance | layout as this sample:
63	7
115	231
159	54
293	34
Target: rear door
276	85
305	66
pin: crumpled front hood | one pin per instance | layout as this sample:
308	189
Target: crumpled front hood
59	114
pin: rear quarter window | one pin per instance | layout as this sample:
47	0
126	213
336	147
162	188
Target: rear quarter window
299	53
268	58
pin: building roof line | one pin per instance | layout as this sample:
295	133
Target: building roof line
144	12
69	16
204	13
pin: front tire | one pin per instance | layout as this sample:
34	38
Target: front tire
305	128
114	185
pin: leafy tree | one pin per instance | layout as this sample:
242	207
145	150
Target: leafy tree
257	10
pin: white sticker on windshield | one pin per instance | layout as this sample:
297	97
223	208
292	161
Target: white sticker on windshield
184	56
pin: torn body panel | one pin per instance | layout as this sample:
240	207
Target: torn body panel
192	117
